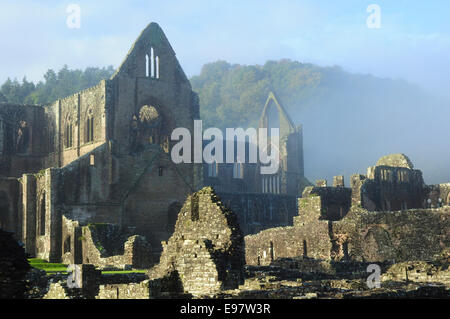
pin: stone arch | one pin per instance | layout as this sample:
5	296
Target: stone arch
68	131
149	126
89	126
4	210
23	137
285	123
377	245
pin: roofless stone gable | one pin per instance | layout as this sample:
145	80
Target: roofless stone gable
152	56
207	247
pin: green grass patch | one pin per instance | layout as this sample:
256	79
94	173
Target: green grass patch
46	266
51	268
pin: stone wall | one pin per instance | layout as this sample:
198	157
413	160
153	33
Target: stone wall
360	236
9	205
125	291
108	245
13	267
419	271
206	250
89	283
287	242
21	139
48	215
437	195
334	204
393	184
420	234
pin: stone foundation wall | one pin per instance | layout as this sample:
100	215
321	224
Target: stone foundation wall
361	236
125	291
309	241
418	271
121	251
421	234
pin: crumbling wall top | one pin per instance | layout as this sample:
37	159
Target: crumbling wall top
395	160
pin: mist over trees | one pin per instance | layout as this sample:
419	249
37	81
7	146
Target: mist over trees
349	120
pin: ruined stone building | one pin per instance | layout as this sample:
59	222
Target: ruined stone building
387	215
263	200
89	178
102	156
247	178
206	250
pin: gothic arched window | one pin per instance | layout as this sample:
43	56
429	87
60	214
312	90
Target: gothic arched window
69	135
89	129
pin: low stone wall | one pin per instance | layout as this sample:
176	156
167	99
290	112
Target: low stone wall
310	241
125	291
419	234
438	195
134	252
94	285
360	236
419	271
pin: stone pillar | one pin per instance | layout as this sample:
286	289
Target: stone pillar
338	181
356	182
321	183
28	202
53	216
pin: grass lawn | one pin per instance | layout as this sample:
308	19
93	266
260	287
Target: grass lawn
48	267
51	268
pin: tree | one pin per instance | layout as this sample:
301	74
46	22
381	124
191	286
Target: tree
56	85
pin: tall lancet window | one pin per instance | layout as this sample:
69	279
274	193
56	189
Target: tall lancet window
152	62
147	65
157	66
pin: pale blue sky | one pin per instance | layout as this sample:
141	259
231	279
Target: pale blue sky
413	42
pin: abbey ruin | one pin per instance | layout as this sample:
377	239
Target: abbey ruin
88	180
